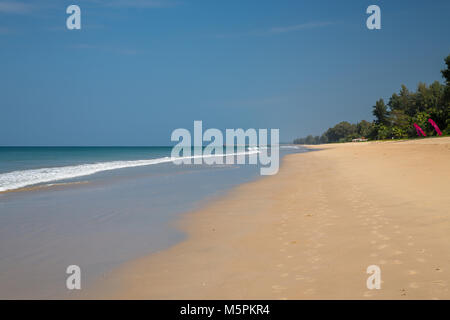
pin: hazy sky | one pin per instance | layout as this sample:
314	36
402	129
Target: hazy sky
139	69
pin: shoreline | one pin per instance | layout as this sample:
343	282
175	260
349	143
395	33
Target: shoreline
311	231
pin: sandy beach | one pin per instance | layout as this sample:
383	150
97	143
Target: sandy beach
311	231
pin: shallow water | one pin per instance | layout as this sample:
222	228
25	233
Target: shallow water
97	221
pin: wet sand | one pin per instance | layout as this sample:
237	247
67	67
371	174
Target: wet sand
311	231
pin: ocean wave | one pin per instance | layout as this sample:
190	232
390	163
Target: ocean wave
23	178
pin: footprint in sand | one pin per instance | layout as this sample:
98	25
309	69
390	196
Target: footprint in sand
309	291
368	294
413	285
314	259
439	283
278	288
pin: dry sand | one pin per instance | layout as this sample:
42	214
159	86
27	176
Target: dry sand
311	231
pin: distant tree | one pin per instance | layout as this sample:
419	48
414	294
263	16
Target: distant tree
446	97
396	119
383	132
446	72
343	130
364	128
309	140
323	138
381	113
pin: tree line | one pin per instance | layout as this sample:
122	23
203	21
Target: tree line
395	120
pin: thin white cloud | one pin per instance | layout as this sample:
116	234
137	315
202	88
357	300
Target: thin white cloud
106	48
23	7
15	7
276	30
311	25
138	4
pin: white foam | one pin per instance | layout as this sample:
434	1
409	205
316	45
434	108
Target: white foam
23	178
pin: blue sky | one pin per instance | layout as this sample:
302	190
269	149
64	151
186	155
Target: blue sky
139	69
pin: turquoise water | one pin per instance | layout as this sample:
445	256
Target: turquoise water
21	158
24	167
95	220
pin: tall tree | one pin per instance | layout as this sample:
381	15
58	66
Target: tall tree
446	97
381	113
446	72
364	128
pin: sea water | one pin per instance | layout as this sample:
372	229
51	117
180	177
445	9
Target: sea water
95	207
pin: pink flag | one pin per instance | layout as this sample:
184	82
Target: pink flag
419	130
435	126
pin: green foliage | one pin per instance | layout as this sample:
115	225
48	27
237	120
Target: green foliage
399	133
446	72
422	121
396	119
343	130
380	112
364	128
382	132
308	140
